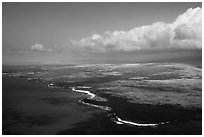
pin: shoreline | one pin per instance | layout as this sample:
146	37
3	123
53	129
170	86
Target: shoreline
181	120
180	125
110	112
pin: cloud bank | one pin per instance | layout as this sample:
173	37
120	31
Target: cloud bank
39	47
185	32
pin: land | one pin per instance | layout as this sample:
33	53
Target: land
39	99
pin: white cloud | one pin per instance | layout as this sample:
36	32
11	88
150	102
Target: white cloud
184	32
39	47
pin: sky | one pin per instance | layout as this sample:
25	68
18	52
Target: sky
72	33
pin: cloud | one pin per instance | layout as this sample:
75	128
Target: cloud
184	32
39	47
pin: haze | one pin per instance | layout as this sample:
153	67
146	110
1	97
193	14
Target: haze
73	33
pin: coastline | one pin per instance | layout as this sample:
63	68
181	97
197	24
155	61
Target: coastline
77	117
182	121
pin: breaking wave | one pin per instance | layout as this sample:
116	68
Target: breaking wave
111	114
